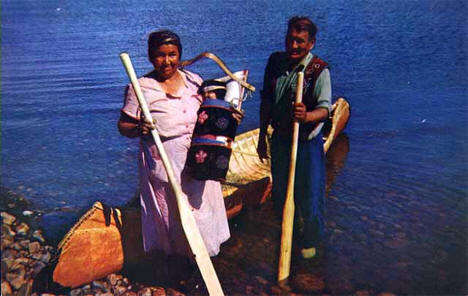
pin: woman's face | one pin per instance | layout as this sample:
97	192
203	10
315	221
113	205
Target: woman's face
166	60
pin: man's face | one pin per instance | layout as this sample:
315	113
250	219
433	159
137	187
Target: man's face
298	45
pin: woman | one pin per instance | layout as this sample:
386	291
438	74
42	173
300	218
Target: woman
173	99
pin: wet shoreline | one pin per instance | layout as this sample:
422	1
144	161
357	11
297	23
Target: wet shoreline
246	264
28	259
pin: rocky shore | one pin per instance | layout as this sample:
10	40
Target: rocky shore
27	259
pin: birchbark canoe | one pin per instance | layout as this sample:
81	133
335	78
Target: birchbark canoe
105	239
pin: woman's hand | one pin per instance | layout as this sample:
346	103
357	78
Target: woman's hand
132	128
144	127
237	114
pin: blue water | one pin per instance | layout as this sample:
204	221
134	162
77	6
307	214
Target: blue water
400	199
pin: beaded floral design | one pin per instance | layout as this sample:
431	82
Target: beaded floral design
202	117
200	156
222	162
222	123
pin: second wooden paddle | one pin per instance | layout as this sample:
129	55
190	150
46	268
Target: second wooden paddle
284	265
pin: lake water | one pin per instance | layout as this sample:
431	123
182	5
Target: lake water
397	212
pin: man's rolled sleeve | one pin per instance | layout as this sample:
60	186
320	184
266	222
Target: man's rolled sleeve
322	90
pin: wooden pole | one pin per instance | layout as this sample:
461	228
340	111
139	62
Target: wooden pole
188	221
221	64
284	265
242	90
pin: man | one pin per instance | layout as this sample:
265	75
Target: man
278	109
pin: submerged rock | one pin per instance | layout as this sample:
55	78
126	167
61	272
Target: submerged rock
308	283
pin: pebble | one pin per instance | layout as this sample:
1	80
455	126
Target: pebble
113	278
145	292
99	285
17	282
159	291
27	213
26	288
46	257
37	235
76	292
6	241
6	288
276	290
34	247
6	229
4	268
22	229
86	288
9	276
172	292
7	218
308	283
24	244
118	290
7	263
22	261
102	294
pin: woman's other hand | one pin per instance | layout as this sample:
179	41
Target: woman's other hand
238	115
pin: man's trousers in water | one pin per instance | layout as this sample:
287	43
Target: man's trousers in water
309	188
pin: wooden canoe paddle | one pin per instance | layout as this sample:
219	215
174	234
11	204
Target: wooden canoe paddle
189	225
284	265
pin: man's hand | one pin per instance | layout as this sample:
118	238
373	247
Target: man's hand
262	148
300	112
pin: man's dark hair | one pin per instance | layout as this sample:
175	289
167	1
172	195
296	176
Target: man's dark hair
158	38
302	23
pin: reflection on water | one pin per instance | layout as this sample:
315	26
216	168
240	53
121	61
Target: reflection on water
248	261
361	251
336	158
